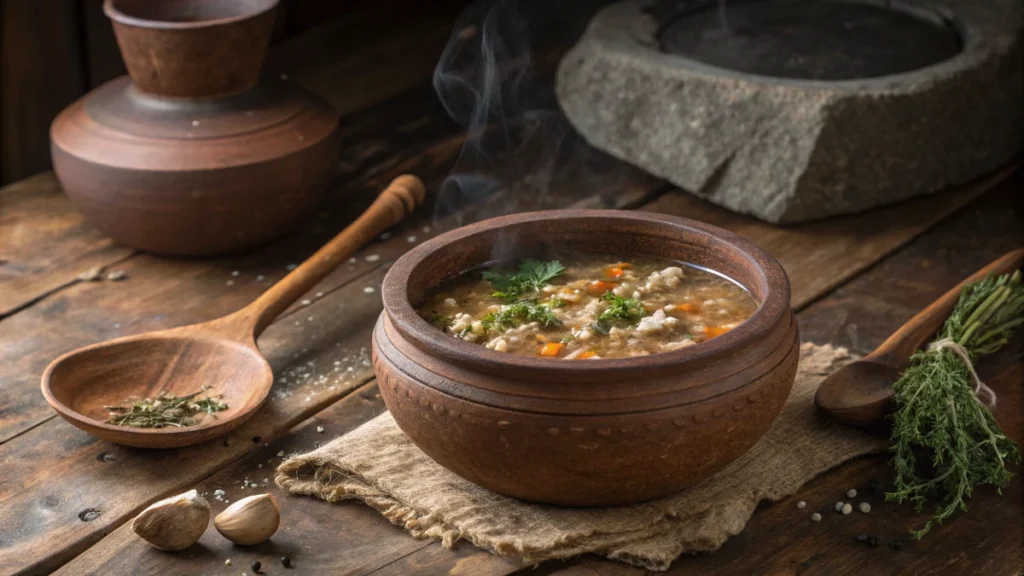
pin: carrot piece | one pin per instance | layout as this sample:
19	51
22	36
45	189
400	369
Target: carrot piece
613	272
599	287
551	349
623	265
688	307
586	354
713	331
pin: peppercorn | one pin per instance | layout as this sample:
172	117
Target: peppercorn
872	487
286	561
872	541
255	565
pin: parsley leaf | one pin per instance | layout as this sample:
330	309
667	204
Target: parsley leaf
529	278
522	312
621	312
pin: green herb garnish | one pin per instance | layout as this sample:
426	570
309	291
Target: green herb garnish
164	410
518	313
621	312
530	277
940	417
442	321
556	302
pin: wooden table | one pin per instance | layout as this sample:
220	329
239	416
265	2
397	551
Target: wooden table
66	498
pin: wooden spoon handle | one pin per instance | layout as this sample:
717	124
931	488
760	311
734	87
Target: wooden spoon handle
396	202
898	348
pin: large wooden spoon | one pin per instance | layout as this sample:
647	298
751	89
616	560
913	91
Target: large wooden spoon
221	353
861	393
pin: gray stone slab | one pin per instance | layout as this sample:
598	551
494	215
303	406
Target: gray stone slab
789	150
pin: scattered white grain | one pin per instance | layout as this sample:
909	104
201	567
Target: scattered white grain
373	258
815	517
259	466
260	277
280	454
385	235
230	282
864	507
234	272
368	289
227	562
847	509
352	260
320	429
195	122
310	319
291	267
801	504
851	493
839	506
306	302
319	294
426	229
411	239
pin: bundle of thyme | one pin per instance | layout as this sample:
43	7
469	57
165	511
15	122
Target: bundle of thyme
164	410
945	440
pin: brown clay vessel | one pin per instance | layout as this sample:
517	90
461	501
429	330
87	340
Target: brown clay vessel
593	433
193	154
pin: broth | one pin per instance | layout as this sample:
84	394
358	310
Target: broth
588	307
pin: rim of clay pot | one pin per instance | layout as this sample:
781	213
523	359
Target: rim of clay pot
774	301
118	11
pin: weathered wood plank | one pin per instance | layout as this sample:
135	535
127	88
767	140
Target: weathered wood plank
44	243
818	256
774	530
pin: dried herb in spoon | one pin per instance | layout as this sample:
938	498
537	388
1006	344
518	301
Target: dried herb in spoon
945	440
165	410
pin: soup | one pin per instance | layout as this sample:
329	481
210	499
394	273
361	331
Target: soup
588	307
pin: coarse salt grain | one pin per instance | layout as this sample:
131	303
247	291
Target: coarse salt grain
234	272
306	302
320	429
851	493
230	282
426	229
368	290
801	504
410	239
847	509
839	506
291	267
280	454
864	507
385	235
319	294
260	277
373	258
815	517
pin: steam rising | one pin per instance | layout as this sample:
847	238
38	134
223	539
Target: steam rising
496	78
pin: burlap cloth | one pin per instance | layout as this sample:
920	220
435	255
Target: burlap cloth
378	464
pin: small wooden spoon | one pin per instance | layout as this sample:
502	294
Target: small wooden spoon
221	353
860	393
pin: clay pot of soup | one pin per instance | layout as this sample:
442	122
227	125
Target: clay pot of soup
586	357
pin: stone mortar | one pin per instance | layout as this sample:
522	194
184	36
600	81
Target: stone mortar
789	150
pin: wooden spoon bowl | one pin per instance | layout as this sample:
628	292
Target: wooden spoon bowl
220	354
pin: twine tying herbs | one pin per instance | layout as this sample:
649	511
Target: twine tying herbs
945	439
976	383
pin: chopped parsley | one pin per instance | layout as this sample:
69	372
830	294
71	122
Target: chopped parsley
621	312
556	302
518	313
528	279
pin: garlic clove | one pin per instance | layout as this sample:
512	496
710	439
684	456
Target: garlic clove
174	523
250	520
